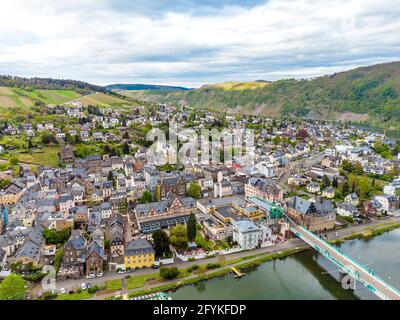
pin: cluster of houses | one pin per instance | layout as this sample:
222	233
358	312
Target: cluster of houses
97	198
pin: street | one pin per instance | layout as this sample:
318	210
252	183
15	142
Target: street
289	244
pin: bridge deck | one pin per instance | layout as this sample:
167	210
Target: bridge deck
362	273
354	268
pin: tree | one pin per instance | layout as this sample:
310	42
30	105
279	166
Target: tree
107	149
110	176
335	182
13	288
146	197
14	161
302	134
4	183
169	273
125	148
158	192
191	228
325	181
48	138
77	139
56	237
178	237
345	188
57	258
353	186
194	190
161	243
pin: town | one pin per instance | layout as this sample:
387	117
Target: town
98	209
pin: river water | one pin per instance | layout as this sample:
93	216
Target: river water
306	275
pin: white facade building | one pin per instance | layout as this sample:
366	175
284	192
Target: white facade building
246	234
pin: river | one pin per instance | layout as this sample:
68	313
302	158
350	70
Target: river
306	275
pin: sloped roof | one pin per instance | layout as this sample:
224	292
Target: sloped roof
140	246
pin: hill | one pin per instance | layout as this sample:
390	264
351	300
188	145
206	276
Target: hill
16	102
12	97
360	94
48	84
103	100
143	87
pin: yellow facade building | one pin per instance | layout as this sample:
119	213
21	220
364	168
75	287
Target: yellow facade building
139	254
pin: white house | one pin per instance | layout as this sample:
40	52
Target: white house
392	188
330	152
313	187
389	204
265	168
246	234
346	209
353	199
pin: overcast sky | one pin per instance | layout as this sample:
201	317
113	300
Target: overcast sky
194	42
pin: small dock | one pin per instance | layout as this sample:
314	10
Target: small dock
237	273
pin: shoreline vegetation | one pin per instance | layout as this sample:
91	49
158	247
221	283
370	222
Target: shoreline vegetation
244	263
368	232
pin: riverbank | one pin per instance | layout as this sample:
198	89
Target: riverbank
247	262
368	232
241	264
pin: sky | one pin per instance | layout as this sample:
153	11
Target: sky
192	42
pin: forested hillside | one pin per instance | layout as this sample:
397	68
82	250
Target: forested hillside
363	93
47	84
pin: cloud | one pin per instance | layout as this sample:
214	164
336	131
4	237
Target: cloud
194	42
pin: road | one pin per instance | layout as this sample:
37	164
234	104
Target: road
289	244
306	162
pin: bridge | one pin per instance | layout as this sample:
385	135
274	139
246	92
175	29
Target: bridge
364	275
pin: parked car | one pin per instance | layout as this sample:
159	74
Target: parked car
121	271
91	276
63	291
100	274
88	285
83	286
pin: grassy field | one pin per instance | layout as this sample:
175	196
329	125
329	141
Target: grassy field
101	99
114	284
45	157
139	281
75	296
231	85
59	96
15	97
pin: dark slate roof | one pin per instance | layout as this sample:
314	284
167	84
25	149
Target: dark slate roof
116	220
320	207
77	241
2	254
137	247
347	206
29	249
266	185
95	247
161	206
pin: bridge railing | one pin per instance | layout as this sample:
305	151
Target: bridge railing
360	265
268	205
